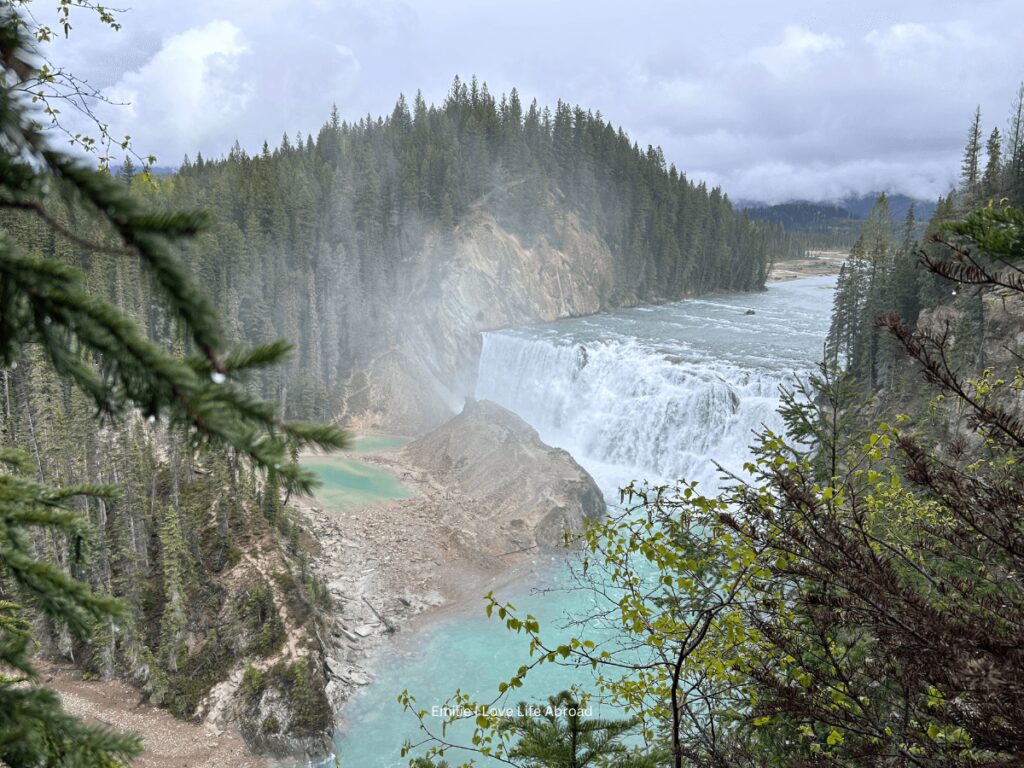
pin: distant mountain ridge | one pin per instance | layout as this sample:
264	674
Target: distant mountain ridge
834	224
857	206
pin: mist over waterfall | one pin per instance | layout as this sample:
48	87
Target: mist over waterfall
658	395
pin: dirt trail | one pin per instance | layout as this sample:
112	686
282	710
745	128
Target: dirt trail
169	742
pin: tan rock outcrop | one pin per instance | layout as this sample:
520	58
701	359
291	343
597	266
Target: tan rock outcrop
480	278
493	456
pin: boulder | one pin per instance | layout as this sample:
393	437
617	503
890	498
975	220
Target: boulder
490	454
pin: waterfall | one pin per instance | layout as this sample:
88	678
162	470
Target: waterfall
623	405
655	396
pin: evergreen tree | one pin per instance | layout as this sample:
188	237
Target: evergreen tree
905	299
970	166
992	181
847	310
561	735
877	236
49	312
174	619
1014	154
34	729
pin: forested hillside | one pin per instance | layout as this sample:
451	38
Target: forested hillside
142	530
382	247
836	226
860	206
203	555
825	226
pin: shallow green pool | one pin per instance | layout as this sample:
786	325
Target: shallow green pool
347	483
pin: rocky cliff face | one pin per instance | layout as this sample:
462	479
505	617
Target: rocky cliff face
265	673
480	278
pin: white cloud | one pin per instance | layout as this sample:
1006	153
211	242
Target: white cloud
776	182
191	89
795	53
348	57
901	38
951	37
925	50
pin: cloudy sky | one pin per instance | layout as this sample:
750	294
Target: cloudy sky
773	100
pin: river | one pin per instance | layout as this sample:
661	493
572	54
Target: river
650	393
